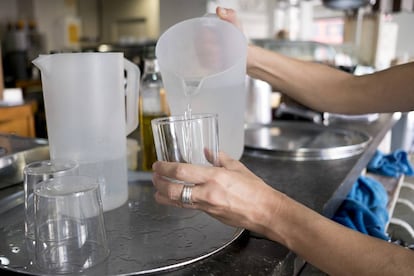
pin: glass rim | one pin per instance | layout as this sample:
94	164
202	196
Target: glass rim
62	165
183	118
92	184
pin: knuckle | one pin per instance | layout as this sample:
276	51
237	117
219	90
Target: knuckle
218	176
170	193
209	196
180	172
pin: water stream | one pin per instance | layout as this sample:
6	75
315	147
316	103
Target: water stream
191	88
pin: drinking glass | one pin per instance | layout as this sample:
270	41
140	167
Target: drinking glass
36	172
187	139
70	233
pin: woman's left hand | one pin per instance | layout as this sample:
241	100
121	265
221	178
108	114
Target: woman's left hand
230	193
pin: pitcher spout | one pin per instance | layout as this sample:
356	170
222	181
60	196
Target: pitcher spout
43	63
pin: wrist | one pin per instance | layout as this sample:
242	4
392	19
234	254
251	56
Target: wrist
273	212
251	62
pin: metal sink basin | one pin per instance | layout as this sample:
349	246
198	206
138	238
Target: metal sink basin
303	141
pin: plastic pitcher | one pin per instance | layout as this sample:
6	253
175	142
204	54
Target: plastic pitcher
89	113
203	65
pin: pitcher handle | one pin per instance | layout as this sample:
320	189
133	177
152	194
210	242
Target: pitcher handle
132	93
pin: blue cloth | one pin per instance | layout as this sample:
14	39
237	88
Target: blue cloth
365	208
393	164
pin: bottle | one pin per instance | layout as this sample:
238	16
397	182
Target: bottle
151	105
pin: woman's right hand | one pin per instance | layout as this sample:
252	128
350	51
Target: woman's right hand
229	15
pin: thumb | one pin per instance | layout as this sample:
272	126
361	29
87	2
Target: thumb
234	165
229	163
229	15
225	160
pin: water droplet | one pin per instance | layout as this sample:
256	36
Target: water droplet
4	261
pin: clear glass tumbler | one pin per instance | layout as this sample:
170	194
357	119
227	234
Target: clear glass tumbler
187	139
70	232
36	172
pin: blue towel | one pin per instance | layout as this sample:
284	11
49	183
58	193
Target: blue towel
393	164
365	208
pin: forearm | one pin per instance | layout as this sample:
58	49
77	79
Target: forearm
298	79
325	88
333	248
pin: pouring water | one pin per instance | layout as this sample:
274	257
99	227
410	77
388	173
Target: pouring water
203	65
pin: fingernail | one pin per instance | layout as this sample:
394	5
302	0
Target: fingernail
223	11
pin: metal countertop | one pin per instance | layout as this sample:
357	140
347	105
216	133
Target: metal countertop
319	185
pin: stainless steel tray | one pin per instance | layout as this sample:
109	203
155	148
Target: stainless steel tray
303	141
144	237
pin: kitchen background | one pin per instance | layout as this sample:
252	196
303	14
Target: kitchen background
359	40
379	31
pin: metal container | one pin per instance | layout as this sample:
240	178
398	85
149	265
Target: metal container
258	102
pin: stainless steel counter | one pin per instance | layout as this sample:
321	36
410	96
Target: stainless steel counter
318	184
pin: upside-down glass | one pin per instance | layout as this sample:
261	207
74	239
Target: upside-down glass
36	172
70	233
188	140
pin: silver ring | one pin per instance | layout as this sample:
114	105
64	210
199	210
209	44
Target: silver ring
186	195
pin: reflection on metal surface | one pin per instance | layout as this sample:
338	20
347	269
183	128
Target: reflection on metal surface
303	141
333	117
15	153
144	237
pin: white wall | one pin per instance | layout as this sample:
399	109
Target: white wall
256	16
44	12
174	11
48	14
260	18
8	12
113	11
8	9
89	9
405	40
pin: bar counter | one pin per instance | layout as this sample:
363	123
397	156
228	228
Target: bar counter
320	185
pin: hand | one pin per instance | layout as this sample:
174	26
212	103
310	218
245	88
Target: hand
231	193
229	15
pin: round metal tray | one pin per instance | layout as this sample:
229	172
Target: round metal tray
303	141
144	237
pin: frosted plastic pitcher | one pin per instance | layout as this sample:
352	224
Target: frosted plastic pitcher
203	64
89	113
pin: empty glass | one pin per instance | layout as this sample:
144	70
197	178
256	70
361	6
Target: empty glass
70	233
187	140
36	172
